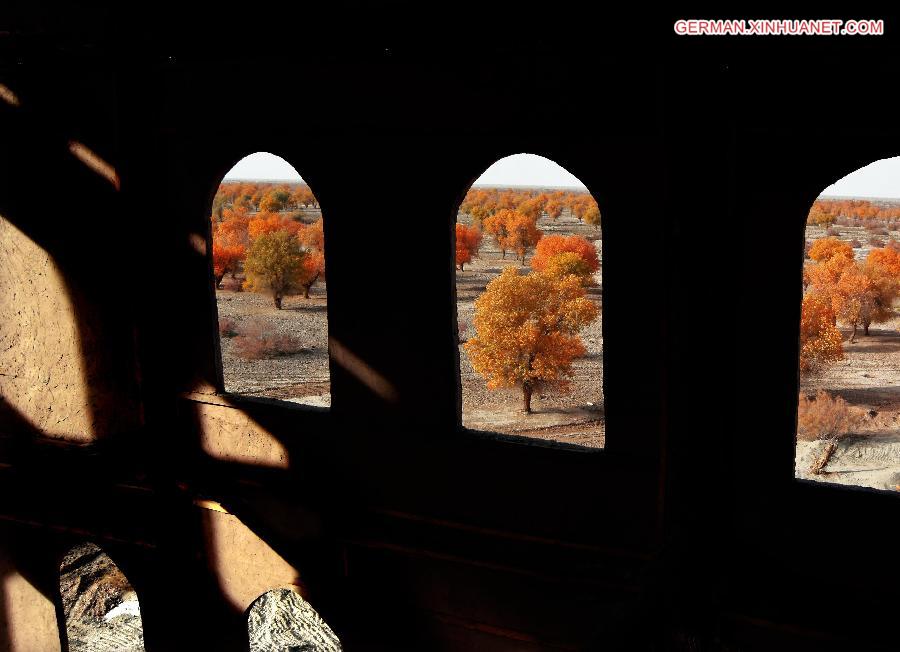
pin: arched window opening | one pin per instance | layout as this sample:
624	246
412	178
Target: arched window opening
99	604
529	302
282	620
268	255
848	416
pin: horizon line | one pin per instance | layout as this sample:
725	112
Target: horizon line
824	196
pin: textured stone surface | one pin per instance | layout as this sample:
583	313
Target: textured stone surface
56	373
100	606
27	618
280	620
230	435
243	564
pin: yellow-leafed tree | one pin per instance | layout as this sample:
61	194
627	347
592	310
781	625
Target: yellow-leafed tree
274	264
528	331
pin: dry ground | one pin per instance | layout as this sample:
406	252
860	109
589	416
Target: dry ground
574	418
301	377
869	380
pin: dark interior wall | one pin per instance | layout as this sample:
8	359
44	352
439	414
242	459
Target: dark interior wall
687	532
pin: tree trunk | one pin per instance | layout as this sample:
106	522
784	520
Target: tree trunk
503	251
819	464
526	396
523	260
307	287
461	266
853	335
219	281
277	299
866	328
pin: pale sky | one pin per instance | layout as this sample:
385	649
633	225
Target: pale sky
263	166
515	170
878	179
528	170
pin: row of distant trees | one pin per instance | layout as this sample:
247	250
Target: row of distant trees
510	231
828	211
481	203
256	196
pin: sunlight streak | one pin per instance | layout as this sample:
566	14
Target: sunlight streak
94	162
362	371
8	96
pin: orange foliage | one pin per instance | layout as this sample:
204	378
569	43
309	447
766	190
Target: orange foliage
528	331
266	222
532	207
886	260
312	242
521	234
554	208
820	340
303	196
497	226
827	248
824	417
468	240
311	270
312	236
568	263
824	211
860	294
226	259
480	202
553	245
853	298
592	215
232	230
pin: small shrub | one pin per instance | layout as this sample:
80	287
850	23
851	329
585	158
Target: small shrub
824	417
254	343
871	224
876	242
227	327
842	221
832	232
856	244
879	231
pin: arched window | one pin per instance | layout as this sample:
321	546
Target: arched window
282	620
100	606
268	258
848	416
529	303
